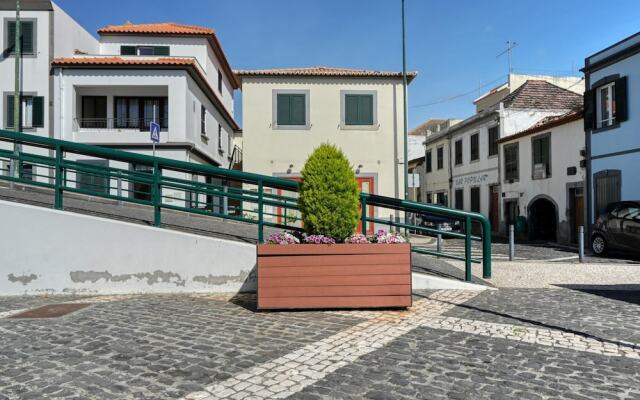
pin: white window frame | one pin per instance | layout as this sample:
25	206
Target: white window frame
274	109
600	122
374	126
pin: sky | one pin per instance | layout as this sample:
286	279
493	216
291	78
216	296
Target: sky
453	44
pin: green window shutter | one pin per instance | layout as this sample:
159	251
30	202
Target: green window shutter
365	109
26	33
283	117
128	50
298	110
38	112
11	37
350	109
161	50
10	109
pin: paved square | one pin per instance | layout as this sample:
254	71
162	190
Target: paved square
508	343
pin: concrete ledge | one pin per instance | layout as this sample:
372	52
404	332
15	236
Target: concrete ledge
50	251
424	281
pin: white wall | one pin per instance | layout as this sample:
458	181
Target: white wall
566	142
438	179
70	36
71	253
271	151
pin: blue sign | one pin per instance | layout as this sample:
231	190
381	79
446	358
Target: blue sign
155	132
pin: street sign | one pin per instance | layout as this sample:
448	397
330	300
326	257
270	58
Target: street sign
155	132
414	180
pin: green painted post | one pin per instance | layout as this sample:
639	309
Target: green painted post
58	178
260	214
363	205
486	249
157	195
467	249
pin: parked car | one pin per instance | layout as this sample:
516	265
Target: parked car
445	223
618	228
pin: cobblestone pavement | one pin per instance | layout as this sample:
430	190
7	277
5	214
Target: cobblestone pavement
509	343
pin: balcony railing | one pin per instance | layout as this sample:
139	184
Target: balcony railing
118	124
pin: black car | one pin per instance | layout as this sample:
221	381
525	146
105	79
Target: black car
618	228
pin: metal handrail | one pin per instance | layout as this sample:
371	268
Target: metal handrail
157	189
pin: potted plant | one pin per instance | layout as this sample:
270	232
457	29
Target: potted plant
330	266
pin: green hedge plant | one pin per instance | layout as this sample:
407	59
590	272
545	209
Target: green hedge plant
328	197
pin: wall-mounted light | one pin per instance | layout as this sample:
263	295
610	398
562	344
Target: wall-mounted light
358	169
290	168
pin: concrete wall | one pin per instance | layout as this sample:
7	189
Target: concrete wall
56	252
271	151
70	36
437	181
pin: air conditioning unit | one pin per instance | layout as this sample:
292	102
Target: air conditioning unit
539	171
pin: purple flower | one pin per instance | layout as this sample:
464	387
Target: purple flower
319	239
282	238
357	238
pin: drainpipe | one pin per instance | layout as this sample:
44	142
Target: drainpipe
17	148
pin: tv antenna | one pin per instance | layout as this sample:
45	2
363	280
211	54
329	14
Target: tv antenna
510	47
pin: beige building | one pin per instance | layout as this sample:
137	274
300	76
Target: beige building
287	113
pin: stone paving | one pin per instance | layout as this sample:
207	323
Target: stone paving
508	343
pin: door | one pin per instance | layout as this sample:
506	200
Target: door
366	185
494	198
576	211
607	189
510	213
93	181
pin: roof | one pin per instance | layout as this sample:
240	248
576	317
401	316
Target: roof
187	63
542	95
164	28
175	29
492	92
27	5
325	72
545	124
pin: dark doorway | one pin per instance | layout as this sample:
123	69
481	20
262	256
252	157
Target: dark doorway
576	211
542	220
494	198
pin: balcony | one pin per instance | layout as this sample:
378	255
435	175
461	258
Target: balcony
117	124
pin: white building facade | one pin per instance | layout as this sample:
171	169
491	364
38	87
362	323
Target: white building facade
288	113
542	178
612	123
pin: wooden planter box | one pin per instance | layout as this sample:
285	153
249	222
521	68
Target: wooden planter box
307	276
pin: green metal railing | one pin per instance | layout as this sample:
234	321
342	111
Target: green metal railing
166	184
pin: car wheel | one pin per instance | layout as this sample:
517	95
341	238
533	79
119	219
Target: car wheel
599	245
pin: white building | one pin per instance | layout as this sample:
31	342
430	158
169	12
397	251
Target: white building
472	161
542	179
47	33
612	125
287	113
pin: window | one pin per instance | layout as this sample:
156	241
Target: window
291	109
492	134
27	38
511	162
459	199
358	109
629	212
440	157
230	146
458	152
541	147
443	199
203	120
142	190
220	138
429	198
94	112
475	199
144	50
26	171
475	146
219	81
606	104
427	160
139	112
31	112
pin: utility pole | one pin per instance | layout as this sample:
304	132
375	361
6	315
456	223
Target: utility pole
16	95
510	46
406	118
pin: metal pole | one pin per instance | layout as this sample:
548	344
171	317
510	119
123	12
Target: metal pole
404	99
439	241
467	250
17	148
581	243
512	246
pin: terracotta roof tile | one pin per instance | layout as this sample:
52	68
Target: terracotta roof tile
325	71
122	61
170	28
542	95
